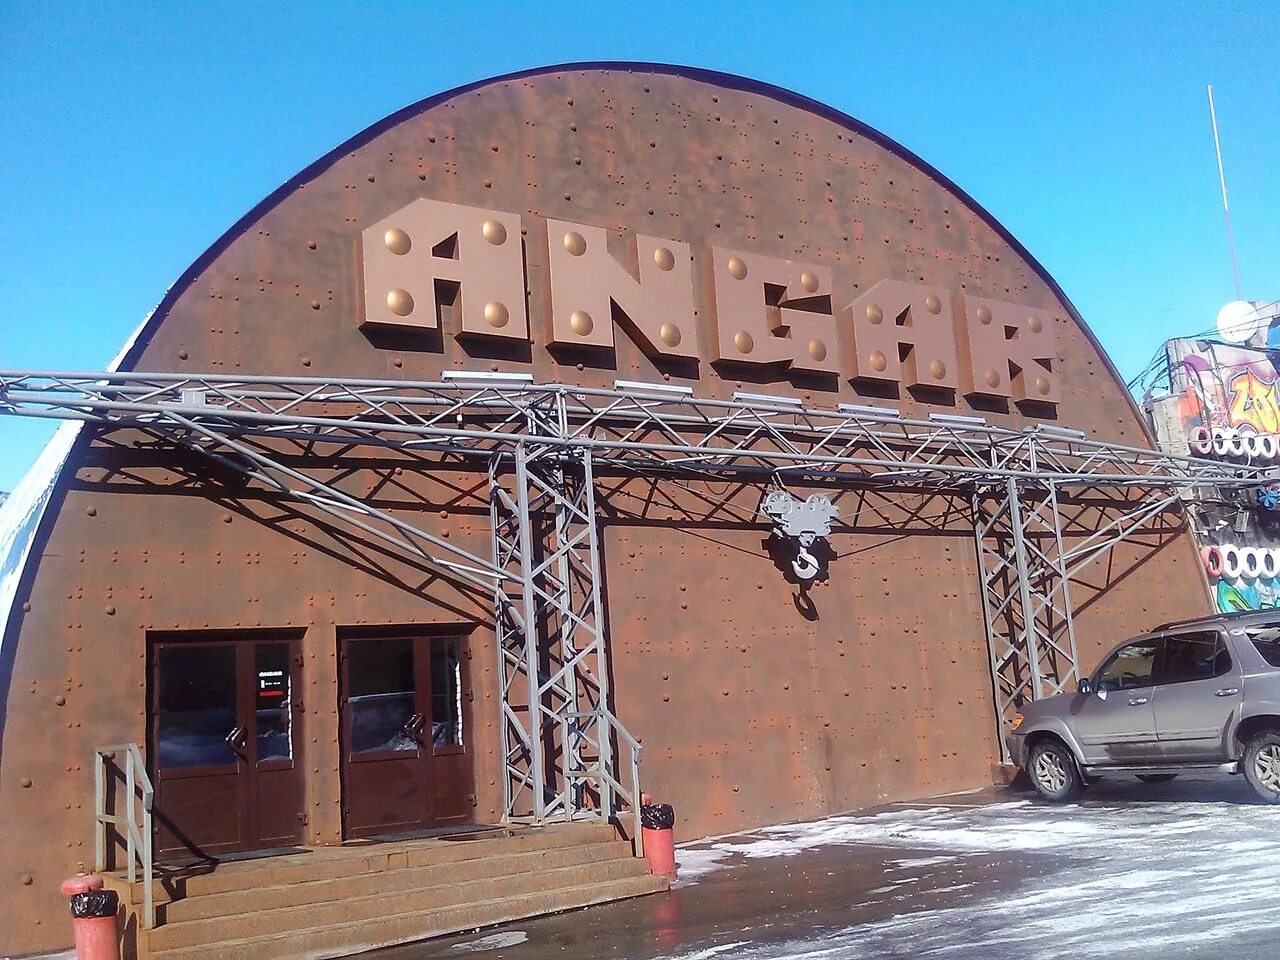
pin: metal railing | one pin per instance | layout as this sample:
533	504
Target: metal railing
132	822
614	796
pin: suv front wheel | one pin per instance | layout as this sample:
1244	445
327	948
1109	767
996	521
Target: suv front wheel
1262	765
1053	772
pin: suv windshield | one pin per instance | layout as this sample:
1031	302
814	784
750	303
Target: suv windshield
1132	665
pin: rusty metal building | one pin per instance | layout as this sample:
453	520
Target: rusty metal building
397	457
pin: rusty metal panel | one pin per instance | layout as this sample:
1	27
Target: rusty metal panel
804	705
757	703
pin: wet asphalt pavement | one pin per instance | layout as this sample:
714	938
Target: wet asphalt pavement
1189	869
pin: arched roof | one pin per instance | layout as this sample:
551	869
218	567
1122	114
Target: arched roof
25	521
716	78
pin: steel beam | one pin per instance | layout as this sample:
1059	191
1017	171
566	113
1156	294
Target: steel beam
543	444
627	429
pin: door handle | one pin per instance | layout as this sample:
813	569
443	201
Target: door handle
1139	701
413	726
233	738
1227	692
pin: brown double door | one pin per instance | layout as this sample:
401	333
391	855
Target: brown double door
224	745
405	728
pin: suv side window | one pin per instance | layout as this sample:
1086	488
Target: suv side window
1267	642
1130	666
1194	656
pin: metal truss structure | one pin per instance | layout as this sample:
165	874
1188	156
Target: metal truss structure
558	732
566	754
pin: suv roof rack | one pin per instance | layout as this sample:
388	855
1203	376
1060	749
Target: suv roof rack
1268	614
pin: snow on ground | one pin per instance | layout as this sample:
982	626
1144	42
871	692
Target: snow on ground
1146	879
493	941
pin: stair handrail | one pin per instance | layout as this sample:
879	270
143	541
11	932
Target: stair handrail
135	824
613	791
634	751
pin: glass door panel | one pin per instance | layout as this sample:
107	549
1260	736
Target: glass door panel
197	706
273	703
382	698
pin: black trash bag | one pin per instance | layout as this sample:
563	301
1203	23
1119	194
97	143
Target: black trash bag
657	816
95	903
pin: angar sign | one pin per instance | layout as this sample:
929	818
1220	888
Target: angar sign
721	305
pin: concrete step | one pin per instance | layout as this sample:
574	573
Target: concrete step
340	939
374	904
414	878
324	863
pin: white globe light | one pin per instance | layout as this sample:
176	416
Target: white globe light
1238	321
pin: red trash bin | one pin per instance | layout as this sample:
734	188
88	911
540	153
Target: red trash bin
94	910
657	828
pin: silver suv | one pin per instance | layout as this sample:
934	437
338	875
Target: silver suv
1196	695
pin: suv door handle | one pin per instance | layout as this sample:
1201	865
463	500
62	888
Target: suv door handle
1227	692
1139	701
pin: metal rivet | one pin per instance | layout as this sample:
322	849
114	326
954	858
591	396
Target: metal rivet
315	304
397	241
496	314
399	302
581	321
875	314
60	700
984	315
878	362
91	511
737	269
1035	324
26	782
575	243
938	369
664	258
809	282
111	611
932	304
742	340
992	378
494	232
670	334
817	350
1042	386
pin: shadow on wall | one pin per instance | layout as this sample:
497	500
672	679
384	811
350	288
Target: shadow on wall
398	485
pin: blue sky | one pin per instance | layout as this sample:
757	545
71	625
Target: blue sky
132	134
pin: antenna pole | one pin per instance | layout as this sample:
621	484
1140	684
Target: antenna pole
1222	179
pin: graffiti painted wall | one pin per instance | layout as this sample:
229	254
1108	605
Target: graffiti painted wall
1229	398
1244	577
1228	407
